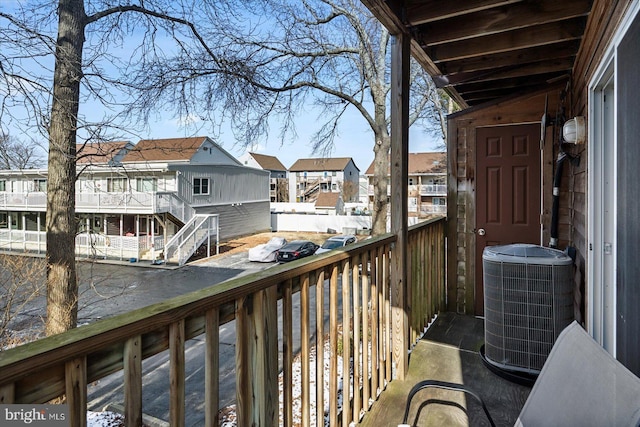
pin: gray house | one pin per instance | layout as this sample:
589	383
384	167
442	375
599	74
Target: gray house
278	184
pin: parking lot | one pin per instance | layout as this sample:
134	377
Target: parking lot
109	289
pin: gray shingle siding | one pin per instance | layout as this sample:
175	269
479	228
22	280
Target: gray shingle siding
227	184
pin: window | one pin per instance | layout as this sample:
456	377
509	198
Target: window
40	185
116	185
147	185
4	220
3	185
200	186
440	201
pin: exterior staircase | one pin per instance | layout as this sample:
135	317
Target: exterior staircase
310	193
199	229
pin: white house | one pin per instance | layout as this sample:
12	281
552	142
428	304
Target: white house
158	199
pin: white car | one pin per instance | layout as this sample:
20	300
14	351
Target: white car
267	251
336	242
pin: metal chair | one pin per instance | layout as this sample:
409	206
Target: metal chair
447	386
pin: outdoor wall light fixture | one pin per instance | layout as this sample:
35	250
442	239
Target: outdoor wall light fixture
574	130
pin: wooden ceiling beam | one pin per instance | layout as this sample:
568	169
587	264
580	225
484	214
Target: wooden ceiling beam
513	58
500	19
510	83
491	95
563	65
421	12
540	35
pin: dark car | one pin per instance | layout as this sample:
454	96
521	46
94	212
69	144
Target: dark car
295	250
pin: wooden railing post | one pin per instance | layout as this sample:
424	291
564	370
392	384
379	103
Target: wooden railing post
320	347
133	381
257	359
287	354
7	394
76	391
212	368
305	331
346	342
176	373
400	51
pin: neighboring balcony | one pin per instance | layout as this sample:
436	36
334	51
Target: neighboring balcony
88	245
132	202
429	209
433	190
422	190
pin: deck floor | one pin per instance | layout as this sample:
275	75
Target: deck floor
449	352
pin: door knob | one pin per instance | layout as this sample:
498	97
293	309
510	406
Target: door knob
481	232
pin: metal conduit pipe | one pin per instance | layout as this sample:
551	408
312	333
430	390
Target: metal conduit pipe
553	241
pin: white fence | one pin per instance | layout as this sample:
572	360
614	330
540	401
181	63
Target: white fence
319	223
346	224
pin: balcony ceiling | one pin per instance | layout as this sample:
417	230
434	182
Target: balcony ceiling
483	50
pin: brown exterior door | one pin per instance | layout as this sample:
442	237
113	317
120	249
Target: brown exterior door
507	191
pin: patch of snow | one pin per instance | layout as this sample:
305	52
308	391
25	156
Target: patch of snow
228	414
104	419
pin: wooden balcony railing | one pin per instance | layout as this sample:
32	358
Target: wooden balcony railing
350	289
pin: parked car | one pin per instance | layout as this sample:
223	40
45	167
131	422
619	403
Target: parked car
267	251
336	242
296	249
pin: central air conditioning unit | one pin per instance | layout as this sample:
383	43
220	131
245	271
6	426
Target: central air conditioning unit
528	301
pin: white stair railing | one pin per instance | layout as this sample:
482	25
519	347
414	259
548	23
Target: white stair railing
170	202
189	238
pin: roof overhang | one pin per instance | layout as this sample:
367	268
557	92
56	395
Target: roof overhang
483	50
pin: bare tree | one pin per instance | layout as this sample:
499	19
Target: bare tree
329	53
282	190
21	282
349	191
16	154
86	31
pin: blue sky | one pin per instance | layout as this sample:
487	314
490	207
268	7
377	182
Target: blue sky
355	139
